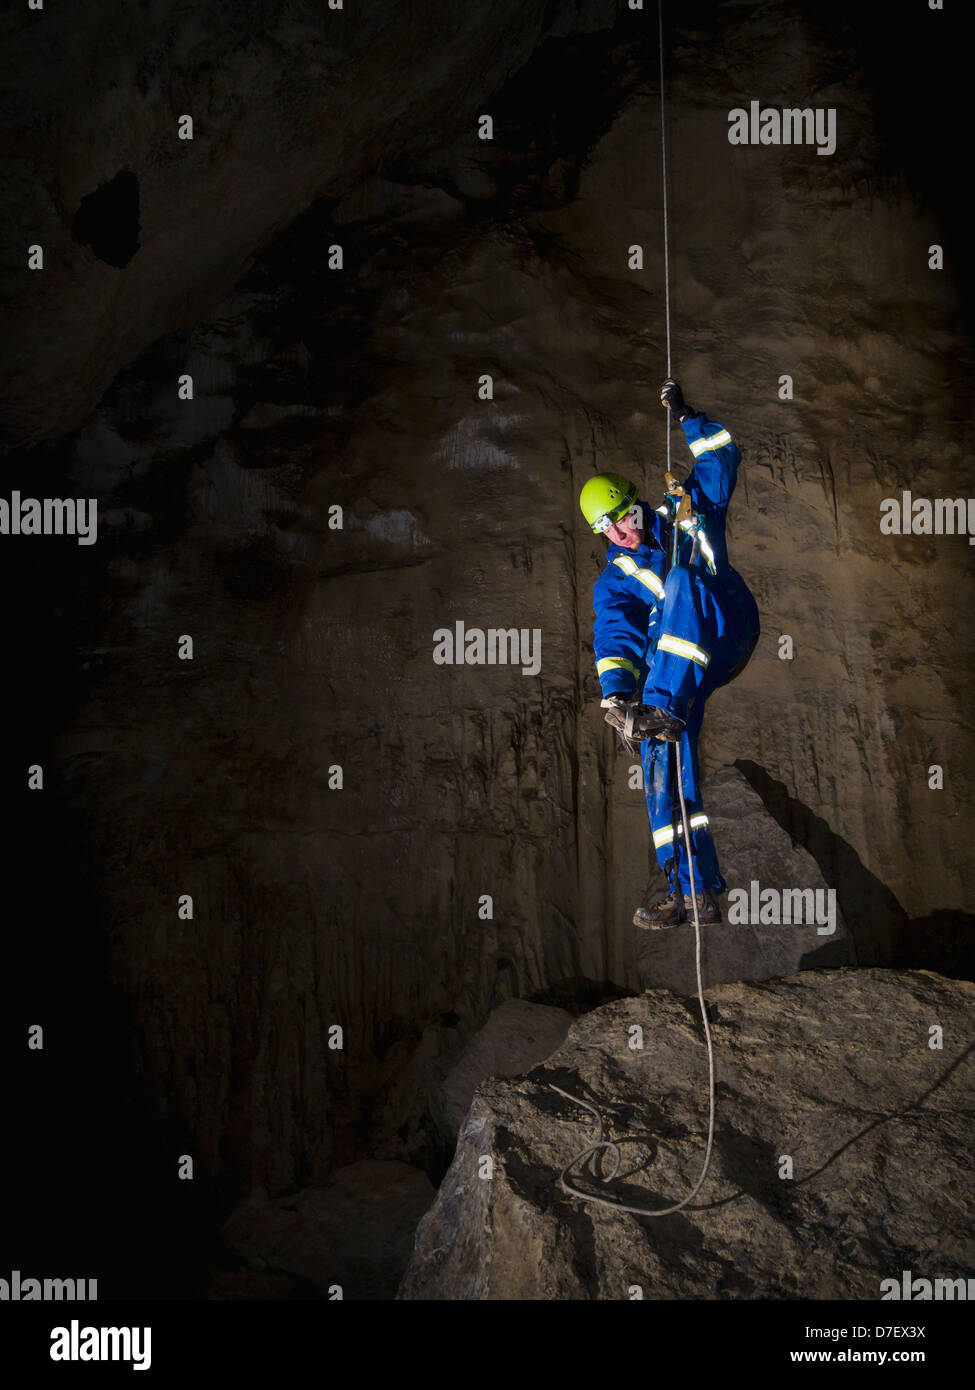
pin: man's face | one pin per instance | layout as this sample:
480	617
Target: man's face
625	532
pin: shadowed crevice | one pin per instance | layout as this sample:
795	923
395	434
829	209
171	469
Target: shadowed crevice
882	931
108	220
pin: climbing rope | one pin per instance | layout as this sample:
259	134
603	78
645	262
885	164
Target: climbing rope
663	165
600	1143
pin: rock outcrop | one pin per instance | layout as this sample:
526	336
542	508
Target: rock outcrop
516	1037
842	1150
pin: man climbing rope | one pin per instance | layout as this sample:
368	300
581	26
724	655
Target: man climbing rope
674	621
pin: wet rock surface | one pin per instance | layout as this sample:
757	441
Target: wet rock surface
830	1070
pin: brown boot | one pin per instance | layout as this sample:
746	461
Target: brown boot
664	914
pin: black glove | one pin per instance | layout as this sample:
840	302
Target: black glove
672	397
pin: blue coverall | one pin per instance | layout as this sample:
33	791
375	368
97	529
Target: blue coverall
677	633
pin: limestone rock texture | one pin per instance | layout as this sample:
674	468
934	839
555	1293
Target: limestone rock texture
337	805
829	1069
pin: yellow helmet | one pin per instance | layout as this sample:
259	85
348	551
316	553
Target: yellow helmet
605	499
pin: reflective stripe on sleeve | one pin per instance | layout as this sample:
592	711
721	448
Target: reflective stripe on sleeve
646	577
679	647
615	663
713	441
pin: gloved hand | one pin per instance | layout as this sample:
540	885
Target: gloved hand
672	397
616	707
634	722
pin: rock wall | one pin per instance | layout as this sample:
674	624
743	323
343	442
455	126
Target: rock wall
289	102
313	646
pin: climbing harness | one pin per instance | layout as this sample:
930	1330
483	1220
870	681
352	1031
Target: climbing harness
679	522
